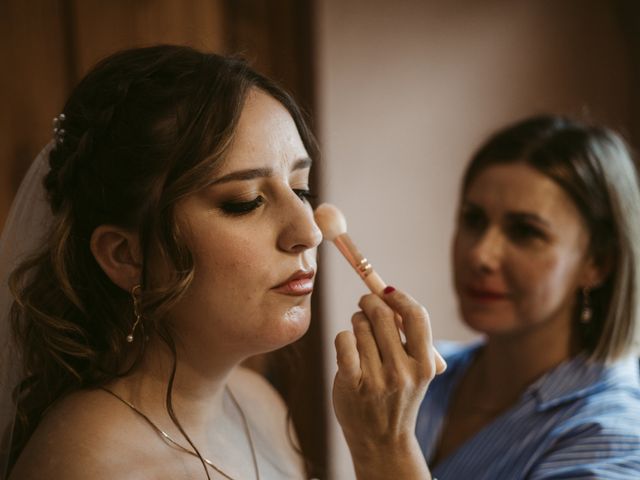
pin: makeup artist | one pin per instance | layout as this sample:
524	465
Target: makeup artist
546	259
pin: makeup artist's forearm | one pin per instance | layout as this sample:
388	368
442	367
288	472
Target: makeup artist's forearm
399	459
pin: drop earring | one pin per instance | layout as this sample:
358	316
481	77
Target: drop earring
135	297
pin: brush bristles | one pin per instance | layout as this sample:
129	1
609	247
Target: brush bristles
330	220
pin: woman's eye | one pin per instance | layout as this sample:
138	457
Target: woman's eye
473	220
524	232
239	208
304	194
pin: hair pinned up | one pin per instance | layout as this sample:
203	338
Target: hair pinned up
143	129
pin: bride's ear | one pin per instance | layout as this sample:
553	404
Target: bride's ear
117	251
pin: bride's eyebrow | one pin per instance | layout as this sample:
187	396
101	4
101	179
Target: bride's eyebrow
302	163
248	174
252	173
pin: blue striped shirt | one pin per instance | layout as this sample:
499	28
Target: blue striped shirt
581	420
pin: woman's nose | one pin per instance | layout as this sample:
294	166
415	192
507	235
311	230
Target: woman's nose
299	231
486	254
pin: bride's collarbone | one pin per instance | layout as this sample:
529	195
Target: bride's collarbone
89	432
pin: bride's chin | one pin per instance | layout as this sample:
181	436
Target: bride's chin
292	326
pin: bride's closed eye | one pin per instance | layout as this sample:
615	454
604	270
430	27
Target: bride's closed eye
241	208
235	207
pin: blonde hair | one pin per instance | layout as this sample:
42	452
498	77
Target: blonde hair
621	333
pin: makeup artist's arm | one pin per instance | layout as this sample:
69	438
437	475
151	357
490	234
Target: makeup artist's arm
380	384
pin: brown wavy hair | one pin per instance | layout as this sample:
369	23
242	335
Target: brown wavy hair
593	165
143	129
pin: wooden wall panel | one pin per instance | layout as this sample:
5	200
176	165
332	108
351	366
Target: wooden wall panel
33	85
276	37
629	17
101	28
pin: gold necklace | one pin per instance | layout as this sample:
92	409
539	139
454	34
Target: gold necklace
173	442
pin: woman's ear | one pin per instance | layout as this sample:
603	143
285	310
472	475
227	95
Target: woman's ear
596	271
117	251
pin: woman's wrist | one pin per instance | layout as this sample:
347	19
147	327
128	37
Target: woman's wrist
400	457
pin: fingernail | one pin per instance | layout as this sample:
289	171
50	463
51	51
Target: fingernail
389	289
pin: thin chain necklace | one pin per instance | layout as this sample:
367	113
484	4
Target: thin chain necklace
173	442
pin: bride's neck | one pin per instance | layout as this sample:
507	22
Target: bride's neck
197	387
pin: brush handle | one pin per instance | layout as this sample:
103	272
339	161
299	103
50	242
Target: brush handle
360	264
371	278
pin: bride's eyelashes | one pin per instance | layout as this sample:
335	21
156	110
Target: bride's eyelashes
241	208
237	208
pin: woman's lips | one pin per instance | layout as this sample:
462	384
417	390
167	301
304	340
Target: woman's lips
485	295
300	283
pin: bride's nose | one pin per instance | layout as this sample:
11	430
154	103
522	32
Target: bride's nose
299	230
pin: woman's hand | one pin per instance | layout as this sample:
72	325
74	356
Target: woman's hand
380	384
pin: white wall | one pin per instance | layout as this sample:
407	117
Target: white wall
407	90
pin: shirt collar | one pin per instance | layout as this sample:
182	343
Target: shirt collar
578	377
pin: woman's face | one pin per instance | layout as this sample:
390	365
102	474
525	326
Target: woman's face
253	239
520	252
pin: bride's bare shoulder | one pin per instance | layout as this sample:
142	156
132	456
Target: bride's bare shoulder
85	435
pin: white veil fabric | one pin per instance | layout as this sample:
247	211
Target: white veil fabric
28	221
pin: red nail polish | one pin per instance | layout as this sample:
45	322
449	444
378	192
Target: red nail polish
389	289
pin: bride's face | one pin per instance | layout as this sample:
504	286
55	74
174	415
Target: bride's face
253	240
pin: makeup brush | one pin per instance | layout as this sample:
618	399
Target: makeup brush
333	226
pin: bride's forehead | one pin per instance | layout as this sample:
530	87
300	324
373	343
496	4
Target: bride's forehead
263	120
279	149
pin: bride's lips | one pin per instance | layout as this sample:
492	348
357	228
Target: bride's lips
300	283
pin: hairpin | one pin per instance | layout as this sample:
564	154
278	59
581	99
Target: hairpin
58	131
